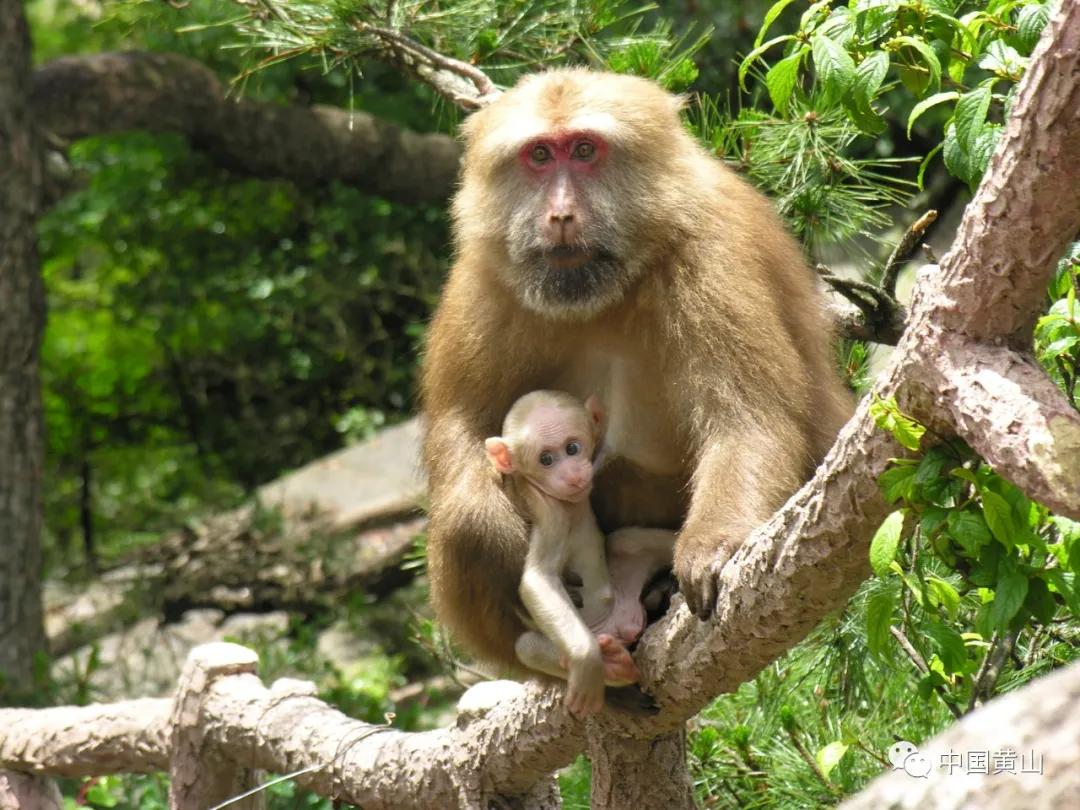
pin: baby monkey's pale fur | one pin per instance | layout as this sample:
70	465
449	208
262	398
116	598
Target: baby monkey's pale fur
547	450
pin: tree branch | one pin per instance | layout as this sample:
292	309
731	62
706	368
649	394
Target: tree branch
1040	720
459	82
1006	407
79	96
877	315
904	248
1027	209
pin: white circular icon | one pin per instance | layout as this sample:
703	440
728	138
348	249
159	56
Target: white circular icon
899	752
917	765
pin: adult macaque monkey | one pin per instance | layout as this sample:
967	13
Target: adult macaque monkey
546	451
601	249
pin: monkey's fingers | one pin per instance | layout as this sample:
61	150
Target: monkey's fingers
699	576
581	704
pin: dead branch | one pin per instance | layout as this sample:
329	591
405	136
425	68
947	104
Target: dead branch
78	96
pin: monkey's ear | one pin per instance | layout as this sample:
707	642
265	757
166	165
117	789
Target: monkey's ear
596	411
499	453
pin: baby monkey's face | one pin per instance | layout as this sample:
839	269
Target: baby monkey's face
557	452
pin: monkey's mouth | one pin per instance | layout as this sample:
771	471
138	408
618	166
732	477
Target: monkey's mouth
568	257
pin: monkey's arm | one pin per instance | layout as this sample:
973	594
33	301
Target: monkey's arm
742	477
477	541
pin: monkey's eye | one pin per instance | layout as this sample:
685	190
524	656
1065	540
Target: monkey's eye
573	448
584	150
539	154
546	459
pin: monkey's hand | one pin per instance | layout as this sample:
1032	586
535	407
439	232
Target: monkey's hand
585	684
697	567
619	667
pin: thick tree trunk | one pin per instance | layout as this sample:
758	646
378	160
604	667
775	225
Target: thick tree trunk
22	317
639	773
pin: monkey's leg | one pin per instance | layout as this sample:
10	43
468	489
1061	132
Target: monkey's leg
537	651
635	556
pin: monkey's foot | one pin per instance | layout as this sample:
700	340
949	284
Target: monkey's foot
619	666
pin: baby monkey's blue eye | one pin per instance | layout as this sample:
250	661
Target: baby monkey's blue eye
546	459
573	448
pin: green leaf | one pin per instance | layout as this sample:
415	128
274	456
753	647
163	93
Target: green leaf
1059	347
869	75
949	645
1064	584
969	530
1039	601
782	77
770	17
886	540
1030	23
999	518
929	58
1012	588
811	13
829	756
957	159
970	114
926	104
888	416
879	613
1003	60
898	482
983	150
835	67
755	54
874	18
942	593
925	164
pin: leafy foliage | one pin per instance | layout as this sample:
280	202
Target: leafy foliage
966	55
505	38
183	330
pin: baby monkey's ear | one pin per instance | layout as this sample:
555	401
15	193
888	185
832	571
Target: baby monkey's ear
499	453
596	412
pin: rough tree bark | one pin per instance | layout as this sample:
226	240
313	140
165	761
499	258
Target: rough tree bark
229	723
22	318
79	96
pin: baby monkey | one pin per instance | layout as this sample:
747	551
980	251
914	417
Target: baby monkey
548	452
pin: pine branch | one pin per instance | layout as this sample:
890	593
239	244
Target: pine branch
880	317
465	85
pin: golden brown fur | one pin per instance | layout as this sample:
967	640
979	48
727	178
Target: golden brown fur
711	353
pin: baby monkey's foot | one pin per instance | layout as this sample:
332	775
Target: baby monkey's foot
619	667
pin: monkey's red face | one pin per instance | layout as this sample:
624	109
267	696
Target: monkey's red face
563	468
564	166
568	188
565	232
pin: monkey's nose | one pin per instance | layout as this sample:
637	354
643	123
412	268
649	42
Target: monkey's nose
563	227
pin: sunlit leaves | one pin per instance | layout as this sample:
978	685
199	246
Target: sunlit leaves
885	542
904	429
940	52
